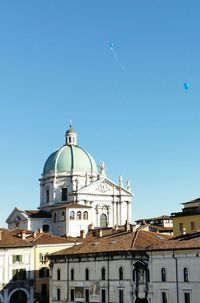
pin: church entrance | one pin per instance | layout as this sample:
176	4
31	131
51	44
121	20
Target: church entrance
103	220
141	301
18	296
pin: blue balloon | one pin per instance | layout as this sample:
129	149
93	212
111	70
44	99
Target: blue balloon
186	86
111	45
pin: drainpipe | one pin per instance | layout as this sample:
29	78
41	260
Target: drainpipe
108	266
177	292
68	279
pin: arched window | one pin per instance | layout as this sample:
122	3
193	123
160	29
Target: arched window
163	274
121	273
64	194
185	274
85	215
133	273
103	273
63	216
78	215
87	274
58	274
103	220
54	217
72	215
45	228
148	275
72	274
47	196
58	294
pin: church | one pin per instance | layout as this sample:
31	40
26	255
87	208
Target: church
75	195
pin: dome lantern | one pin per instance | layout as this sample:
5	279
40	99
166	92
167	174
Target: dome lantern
70	158
71	136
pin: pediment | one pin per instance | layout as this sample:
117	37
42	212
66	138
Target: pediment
16	215
103	187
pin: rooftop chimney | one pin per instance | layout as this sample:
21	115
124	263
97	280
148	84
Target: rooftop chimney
83	234
23	234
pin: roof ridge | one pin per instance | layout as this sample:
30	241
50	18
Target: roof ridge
134	238
37	237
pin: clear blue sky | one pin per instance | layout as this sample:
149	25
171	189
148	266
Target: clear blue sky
56	65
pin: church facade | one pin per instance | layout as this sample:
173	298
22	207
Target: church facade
75	194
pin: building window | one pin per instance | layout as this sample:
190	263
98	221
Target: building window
43	258
103	220
163	274
103	295
45	228
17	258
19	274
187	297
58	274
54	217
85	215
121	296
78	215
148	275
103	273
192	225
121	273
58	294
44	290
87	296
185	274
72	294
87	274
72	274
133	274
44	272
17	221
64	194
181	228
47	196
164	297
63	216
72	215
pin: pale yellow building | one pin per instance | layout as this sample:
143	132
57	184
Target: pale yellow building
45	244
24	265
188	220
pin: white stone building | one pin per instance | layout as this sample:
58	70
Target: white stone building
16	268
110	266
75	194
174	270
128	267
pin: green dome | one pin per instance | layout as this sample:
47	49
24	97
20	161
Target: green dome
70	158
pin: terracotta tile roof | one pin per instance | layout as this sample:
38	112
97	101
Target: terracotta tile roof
48	238
19	238
38	213
10	238
164	217
124	241
155	228
188	241
71	205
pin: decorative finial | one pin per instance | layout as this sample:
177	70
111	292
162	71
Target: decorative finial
120	181
70	123
128	185
102	169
